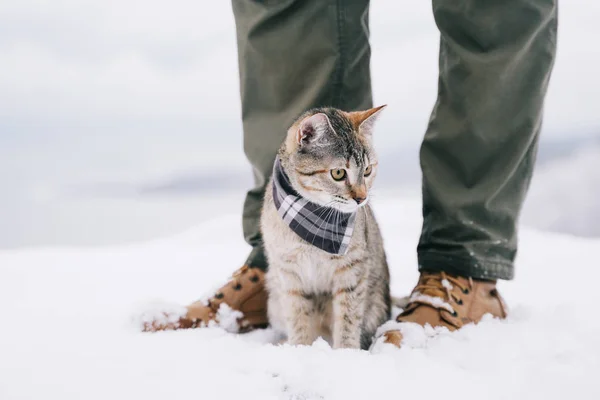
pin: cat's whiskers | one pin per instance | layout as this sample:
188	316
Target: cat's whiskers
324	208
325	220
337	219
333	232
365	212
321	225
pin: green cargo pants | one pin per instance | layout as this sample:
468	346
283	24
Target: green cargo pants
478	153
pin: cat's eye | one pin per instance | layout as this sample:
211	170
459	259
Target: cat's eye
338	174
368	170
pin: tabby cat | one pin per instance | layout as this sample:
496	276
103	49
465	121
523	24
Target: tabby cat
328	275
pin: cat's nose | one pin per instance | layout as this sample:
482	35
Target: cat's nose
359	200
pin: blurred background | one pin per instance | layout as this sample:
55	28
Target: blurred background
120	120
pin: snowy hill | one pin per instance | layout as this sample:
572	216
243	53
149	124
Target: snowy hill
67	330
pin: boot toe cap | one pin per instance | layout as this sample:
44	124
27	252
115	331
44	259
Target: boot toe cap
393	337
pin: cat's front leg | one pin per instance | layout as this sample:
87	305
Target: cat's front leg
300	315
295	306
348	310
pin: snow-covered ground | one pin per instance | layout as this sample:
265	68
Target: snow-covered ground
67	329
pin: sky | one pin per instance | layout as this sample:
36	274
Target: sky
109	63
104	104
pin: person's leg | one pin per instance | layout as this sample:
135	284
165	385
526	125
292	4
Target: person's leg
294	55
478	154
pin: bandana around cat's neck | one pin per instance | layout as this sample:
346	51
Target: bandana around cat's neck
329	231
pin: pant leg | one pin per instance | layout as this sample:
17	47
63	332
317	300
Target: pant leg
294	55
478	153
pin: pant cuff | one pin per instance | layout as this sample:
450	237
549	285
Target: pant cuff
257	258
465	266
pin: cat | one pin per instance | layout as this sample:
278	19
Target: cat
328	274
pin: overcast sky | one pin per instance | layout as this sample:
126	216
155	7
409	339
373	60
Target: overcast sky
83	62
135	92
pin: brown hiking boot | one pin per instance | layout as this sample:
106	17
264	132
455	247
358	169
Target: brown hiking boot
246	298
440	299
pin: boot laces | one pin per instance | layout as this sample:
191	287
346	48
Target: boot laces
234	282
440	285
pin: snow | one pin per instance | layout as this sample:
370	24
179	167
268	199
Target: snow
434	301
446	284
159	314
67	333
228	317
413	336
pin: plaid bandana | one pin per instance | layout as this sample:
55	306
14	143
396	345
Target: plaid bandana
329	231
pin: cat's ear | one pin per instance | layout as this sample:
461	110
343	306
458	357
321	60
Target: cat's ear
311	129
364	120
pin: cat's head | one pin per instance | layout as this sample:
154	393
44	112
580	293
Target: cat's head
329	157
